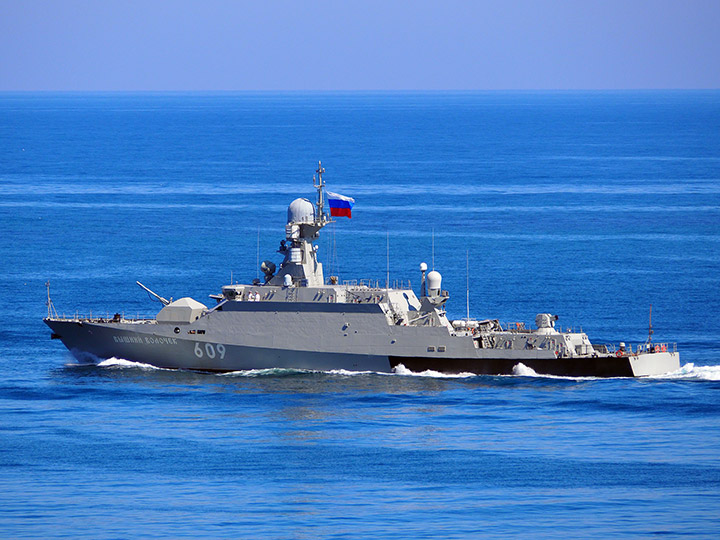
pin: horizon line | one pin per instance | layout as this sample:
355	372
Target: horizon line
353	91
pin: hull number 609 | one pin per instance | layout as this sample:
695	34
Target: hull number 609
210	350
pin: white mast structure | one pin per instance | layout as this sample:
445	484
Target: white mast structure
320	218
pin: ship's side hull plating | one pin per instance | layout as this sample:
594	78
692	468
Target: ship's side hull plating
90	342
181	347
600	366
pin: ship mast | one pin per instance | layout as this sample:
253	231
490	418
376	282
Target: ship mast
319	184
51	308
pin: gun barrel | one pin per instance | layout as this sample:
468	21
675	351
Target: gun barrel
164	301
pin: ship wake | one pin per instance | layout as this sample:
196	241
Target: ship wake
402	370
689	372
692	372
121	363
268	372
521	370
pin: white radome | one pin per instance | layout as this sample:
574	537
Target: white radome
434	280
301	211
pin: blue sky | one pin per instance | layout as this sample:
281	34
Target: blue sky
368	45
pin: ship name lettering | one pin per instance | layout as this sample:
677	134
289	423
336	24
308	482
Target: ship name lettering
127	339
159	340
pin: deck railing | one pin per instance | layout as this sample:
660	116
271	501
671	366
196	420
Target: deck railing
641	348
117	317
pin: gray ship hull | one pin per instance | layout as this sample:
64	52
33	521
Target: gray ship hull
90	342
160	346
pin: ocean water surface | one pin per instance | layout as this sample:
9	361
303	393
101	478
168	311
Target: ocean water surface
593	206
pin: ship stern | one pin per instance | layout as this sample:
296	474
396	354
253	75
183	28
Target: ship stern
654	363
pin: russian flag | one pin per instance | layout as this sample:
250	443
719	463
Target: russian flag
340	205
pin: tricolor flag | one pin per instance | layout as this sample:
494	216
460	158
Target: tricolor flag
340	205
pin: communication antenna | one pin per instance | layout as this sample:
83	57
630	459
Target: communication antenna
650	328
387	256
467	282
257	261
433	248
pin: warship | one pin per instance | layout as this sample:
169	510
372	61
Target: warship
296	318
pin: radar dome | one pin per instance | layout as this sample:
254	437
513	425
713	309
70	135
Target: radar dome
434	280
301	211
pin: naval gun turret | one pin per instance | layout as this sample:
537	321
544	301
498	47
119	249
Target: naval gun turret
545	323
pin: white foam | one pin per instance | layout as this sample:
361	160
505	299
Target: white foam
402	370
262	372
687	372
122	364
692	372
347	372
82	364
521	370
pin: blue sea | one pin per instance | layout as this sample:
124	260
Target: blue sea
589	205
